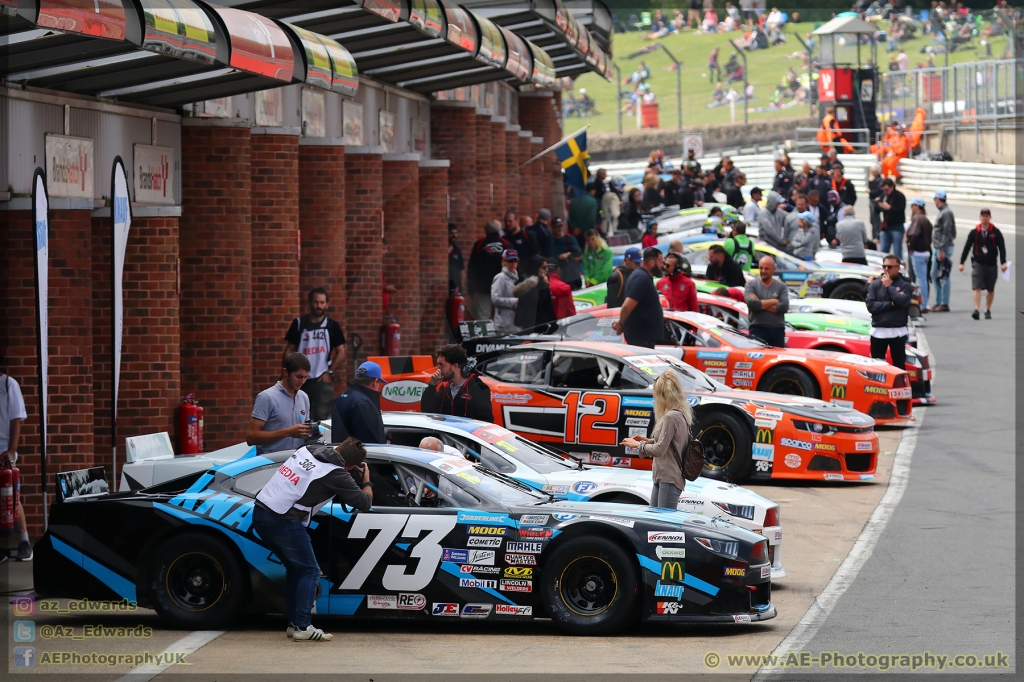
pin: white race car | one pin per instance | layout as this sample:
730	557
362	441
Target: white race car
508	453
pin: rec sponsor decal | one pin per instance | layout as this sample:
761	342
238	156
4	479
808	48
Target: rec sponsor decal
525	547
736	572
798	444
668	608
404	392
541	533
476	610
533	519
521	559
636	421
478	541
584	487
743	365
512	610
628	523
670	552
668	537
445	609
863	445
743	375
768	414
485	530
523	573
516	586
477	583
793	460
763	452
663	590
483	517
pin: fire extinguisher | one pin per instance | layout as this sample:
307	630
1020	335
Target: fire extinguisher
456	309
9	486
189	423
391	337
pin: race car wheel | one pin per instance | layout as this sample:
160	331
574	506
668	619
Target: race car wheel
790	381
727	446
849	291
589	586
196	582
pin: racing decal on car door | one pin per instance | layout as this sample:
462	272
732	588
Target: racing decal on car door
427	551
587	418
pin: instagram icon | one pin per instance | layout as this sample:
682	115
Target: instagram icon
23	606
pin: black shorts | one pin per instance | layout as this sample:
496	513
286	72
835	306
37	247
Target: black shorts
984	276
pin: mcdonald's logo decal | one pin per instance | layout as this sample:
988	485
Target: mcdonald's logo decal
838	391
672	570
764	436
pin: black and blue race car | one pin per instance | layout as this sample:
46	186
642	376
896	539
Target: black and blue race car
445	538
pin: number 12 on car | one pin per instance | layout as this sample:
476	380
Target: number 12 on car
591	418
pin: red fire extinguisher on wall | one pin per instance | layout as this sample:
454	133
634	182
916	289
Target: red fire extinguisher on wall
456	312
391	337
190	425
10	487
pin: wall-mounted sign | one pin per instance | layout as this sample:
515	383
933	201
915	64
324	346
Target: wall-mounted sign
153	168
426	16
217	108
386	130
180	29
269	108
99	18
352	115
314	114
258	45
69	166
418	139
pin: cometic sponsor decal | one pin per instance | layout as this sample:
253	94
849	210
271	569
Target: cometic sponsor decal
476	541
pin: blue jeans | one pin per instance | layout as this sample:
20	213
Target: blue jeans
289	540
921	276
941	285
892	237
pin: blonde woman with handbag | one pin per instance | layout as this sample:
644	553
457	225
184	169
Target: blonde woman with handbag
670	440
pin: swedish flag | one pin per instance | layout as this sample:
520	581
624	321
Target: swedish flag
573	155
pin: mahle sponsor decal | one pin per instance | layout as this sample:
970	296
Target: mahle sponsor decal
525	547
404	391
743	375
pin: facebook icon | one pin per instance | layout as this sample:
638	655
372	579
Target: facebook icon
24	657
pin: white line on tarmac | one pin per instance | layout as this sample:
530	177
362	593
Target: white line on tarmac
190	643
801	635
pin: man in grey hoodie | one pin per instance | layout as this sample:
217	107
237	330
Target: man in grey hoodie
770	220
502	298
791	225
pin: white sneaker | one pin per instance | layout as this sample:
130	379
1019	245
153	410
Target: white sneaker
290	630
311	634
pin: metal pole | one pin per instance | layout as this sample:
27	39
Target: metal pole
945	45
956	139
618	92
977	112
995	105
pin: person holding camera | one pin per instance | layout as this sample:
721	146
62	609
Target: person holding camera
455	389
280	413
305	482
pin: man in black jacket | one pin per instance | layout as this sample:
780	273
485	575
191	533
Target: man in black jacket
616	285
783	182
888	301
722	268
356	412
484	264
894	214
985	242
453	391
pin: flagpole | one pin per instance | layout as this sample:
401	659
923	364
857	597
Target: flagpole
552	147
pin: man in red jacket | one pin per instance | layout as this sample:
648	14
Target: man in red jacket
677	286
561	296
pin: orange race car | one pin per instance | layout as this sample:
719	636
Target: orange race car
586	397
871	386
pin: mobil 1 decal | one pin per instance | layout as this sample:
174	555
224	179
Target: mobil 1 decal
584	417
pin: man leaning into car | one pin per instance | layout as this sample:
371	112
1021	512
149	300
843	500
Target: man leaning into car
304	483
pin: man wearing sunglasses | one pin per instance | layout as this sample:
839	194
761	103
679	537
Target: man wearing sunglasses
888	301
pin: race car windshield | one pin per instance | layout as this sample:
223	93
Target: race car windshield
540	459
650	366
588	328
729	336
495	486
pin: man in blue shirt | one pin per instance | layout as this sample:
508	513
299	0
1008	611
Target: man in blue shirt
280	412
356	412
641	319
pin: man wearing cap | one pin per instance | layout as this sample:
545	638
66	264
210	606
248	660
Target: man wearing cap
806	241
502	298
356	412
943	236
783	182
616	285
751	209
831	214
984	243
919	246
641	319
456	390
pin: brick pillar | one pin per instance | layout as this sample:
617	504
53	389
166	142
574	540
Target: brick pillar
433	248
541	113
453	136
274	168
215	243
401	185
501	200
150	349
521	177
515	194
536	172
363	248
322	225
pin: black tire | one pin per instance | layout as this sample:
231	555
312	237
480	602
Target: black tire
727	442
849	291
589	586
790	380
196	582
